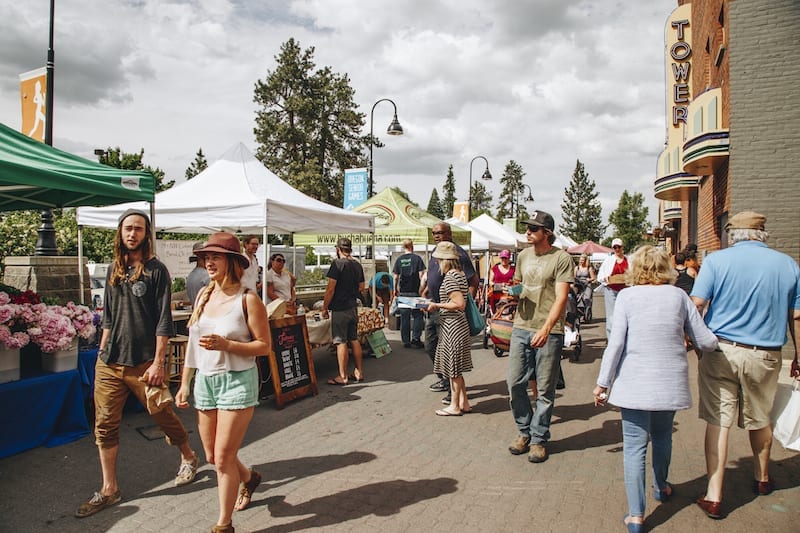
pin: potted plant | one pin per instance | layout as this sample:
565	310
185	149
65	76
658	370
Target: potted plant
13	336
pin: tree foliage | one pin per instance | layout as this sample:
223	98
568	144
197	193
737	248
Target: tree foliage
449	190
581	210
199	164
480	200
630	219
507	204
435	205
308	127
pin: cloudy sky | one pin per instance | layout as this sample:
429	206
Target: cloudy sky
542	82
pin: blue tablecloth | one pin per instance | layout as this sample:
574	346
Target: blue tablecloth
44	410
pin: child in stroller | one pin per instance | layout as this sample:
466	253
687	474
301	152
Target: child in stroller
572	327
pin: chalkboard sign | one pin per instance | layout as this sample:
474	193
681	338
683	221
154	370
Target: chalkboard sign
291	363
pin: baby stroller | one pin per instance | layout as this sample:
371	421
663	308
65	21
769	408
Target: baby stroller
583	299
573	344
499	326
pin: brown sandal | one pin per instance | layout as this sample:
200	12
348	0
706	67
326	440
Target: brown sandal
246	490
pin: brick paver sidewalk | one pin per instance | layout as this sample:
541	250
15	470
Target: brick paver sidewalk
374	457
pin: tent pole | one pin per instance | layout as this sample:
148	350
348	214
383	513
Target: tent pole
266	262
153	221
375	275
81	279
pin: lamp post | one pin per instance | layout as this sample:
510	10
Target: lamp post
486	177
528	198
46	238
394	129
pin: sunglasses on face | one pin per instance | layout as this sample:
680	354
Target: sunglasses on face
439	232
533	229
280	259
617	247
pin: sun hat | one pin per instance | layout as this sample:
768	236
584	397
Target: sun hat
746	220
445	250
616	242
505	254
540	218
225	243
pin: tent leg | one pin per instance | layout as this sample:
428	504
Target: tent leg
80	265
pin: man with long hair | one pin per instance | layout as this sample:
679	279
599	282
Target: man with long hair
137	324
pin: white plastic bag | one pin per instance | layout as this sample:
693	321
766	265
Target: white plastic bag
787	418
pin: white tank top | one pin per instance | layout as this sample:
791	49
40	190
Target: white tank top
231	325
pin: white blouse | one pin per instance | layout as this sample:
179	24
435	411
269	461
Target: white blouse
233	326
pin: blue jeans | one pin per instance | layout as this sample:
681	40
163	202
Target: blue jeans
410	318
637	426
526	363
610	298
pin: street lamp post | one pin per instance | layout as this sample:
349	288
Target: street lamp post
528	198
486	177
46	236
394	129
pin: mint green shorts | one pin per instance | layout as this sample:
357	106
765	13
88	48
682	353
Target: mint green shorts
228	391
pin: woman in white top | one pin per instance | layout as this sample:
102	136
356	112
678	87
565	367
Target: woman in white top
646	368
227	330
280	282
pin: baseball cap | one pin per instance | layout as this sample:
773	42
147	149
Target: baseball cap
540	218
505	254
344	244
196	246
616	242
746	220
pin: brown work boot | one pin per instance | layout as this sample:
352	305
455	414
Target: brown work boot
538	453
520	445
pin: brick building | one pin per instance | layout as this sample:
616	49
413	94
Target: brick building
732	76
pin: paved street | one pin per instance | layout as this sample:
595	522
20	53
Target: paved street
374	457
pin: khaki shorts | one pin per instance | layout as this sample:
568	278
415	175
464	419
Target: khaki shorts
738	383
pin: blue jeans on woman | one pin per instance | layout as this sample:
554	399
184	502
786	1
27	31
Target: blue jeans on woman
610	299
637	426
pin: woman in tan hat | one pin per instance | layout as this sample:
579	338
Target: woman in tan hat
453	356
227	330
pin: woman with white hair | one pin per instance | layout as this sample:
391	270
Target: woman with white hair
646	368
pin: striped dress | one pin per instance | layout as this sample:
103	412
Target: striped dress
453	356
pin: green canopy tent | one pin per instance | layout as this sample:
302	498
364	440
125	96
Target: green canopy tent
34	175
395	219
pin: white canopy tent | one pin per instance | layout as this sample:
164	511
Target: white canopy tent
484	236
236	193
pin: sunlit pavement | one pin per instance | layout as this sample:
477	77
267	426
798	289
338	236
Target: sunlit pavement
374	457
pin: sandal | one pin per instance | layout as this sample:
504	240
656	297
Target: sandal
337	381
97	503
352	377
246	491
223	529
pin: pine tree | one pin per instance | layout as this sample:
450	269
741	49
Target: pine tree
581	210
449	190
480	200
509	196
435	205
308	126
630	219
198	165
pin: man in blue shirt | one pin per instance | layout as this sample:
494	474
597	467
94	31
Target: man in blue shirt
751	291
443	232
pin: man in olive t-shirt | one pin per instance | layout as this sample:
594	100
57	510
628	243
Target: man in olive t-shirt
545	273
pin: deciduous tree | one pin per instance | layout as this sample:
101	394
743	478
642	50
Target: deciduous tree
630	219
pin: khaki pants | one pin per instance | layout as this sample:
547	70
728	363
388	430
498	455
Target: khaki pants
112	385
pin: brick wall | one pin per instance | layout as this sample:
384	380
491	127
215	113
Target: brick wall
765	116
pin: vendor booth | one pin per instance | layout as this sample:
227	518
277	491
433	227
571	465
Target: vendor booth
238	194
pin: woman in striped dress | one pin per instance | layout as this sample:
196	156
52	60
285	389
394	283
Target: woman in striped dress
453	356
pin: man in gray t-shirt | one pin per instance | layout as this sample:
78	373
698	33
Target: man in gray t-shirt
137	323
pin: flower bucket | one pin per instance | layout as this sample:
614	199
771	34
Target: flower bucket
61	360
9	365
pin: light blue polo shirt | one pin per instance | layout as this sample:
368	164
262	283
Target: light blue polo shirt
751	289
